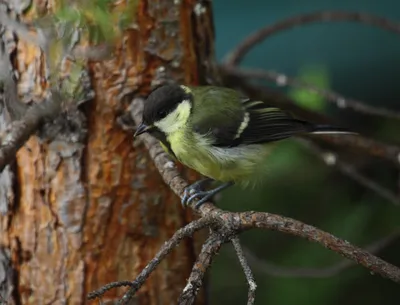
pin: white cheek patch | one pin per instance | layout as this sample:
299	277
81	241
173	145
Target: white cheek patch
175	120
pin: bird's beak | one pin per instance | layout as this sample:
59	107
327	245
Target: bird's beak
142	128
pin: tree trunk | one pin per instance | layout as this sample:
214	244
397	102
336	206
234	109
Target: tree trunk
89	207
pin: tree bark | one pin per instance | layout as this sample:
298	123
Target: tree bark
89	207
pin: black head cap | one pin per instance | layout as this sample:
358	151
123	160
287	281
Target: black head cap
163	101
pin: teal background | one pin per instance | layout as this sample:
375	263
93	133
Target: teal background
358	61
359	57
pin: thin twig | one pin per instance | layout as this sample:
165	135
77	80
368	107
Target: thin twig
235	57
272	269
332	159
174	241
100	292
339	100
204	260
251	296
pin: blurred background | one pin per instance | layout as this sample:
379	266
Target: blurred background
358	61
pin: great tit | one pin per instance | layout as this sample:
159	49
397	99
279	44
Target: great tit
219	133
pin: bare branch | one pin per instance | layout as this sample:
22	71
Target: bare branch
236	56
174	241
332	159
272	269
195	281
20	131
248	220
339	100
369	146
251	296
100	292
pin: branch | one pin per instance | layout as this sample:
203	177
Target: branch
324	272
195	281
236	56
339	100
366	145
251	296
332	159
248	220
174	241
20	131
28	119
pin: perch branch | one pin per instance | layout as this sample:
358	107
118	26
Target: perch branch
248	220
236	56
226	225
251	296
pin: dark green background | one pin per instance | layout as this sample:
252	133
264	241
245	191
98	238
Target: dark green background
361	62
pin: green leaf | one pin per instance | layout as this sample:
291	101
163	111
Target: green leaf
317	76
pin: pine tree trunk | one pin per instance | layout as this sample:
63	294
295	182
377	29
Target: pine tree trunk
89	207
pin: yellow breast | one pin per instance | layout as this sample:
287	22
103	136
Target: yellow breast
238	164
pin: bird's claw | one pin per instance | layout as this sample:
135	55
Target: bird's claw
191	191
187	194
194	192
203	195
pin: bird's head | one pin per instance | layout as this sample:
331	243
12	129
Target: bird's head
167	109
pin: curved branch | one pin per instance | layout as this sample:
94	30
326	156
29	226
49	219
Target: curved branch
248	220
20	131
236	56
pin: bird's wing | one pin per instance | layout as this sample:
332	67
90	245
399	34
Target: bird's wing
232	119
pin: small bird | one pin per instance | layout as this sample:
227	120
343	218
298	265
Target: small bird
219	133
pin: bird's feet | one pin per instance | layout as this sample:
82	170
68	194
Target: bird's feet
195	191
192	189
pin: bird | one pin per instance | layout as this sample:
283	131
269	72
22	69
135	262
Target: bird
219	132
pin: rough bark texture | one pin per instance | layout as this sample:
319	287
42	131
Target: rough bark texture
89	207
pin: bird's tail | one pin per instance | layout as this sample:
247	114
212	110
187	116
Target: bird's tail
328	129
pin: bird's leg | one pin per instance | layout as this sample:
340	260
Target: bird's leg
205	195
193	189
